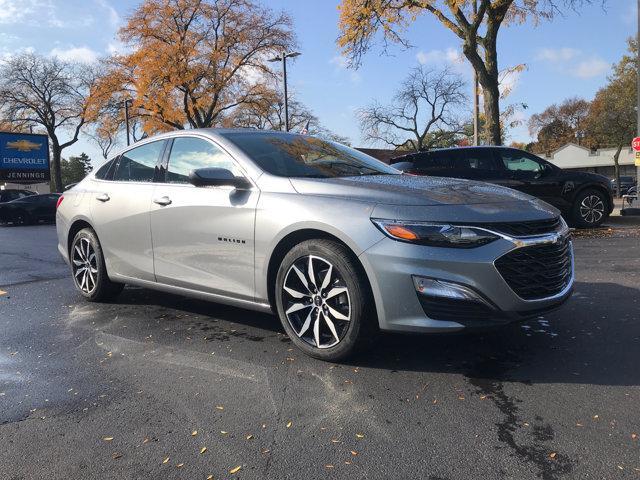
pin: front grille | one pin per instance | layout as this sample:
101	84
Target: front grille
525	229
538	271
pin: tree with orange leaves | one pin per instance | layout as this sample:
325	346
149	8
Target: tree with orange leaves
190	63
475	22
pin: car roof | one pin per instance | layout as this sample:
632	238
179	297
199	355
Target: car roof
452	149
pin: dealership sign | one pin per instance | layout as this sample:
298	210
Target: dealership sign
24	158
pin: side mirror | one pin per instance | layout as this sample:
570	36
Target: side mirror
216	177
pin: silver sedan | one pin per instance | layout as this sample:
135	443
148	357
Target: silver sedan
338	244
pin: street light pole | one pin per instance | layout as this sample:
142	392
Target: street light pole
127	102
283	58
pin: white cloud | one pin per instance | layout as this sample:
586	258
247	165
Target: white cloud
555	55
339	61
75	54
438	57
341	64
114	16
574	62
591	67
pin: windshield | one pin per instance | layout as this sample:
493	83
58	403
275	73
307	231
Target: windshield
287	155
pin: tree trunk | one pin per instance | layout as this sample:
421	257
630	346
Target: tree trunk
56	170
491	95
616	167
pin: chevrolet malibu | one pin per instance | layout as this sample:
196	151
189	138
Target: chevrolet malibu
338	244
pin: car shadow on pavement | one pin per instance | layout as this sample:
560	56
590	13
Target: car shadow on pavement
593	339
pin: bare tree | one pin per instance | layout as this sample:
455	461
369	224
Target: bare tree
46	91
423	111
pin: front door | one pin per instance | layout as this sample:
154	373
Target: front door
203	237
120	211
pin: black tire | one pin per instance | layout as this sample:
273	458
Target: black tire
98	287
590	209
20	217
356	302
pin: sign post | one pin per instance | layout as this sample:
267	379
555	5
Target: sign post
24	158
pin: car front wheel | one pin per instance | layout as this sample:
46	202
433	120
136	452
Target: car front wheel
324	301
89	269
589	209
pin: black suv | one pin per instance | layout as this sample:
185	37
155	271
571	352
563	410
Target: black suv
585	199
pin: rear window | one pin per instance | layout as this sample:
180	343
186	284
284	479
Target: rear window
139	164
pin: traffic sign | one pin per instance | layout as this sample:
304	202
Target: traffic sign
635	144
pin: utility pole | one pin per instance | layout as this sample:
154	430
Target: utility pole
283	58
476	100
637	202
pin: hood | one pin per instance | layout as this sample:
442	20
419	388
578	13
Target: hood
409	190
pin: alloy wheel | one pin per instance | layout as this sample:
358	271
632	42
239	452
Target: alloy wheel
316	301
592	209
85	265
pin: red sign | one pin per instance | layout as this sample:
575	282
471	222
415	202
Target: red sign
636	144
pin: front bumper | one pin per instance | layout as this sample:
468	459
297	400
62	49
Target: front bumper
392	267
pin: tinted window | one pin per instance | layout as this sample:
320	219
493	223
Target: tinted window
139	164
477	159
521	162
432	162
190	153
103	172
288	155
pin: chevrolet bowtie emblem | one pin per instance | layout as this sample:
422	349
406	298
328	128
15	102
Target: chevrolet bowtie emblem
24	145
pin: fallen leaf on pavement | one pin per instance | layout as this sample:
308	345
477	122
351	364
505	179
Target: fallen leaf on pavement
235	470
354	453
219	407
359	435
166	460
249	437
289	424
210	477
202	450
180	465
634	436
194	433
552	455
116	455
107	439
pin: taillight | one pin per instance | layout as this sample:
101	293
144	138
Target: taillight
60	198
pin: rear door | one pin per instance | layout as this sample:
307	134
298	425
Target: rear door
477	164
120	211
203	237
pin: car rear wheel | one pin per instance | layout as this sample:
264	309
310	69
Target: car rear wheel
20	217
324	301
89	269
590	209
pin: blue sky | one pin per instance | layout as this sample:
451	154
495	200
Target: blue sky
570	56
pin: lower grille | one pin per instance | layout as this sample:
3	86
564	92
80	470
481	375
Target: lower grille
538	271
461	311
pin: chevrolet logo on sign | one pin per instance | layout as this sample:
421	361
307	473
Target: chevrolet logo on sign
23	145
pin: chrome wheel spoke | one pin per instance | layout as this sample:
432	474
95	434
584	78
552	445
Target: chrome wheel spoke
336	314
301	277
307	323
294	293
332	327
335	291
327	278
316	331
80	253
312	279
79	271
297	306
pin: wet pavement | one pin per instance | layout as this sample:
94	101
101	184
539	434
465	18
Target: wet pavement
137	388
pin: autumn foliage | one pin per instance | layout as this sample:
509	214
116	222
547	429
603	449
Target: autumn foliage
191	63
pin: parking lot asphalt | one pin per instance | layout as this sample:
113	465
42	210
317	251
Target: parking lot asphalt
161	386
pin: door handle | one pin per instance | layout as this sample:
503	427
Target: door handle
103	198
163	201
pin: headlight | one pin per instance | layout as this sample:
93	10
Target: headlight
435	234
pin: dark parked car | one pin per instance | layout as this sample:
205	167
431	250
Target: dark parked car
585	199
626	182
30	209
14	194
